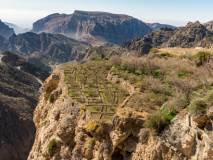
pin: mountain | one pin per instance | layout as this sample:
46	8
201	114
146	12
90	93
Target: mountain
209	25
156	26
96	28
20	87
191	36
5	30
17	29
45	50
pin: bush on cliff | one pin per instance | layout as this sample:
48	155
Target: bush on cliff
155	121
95	128
52	147
198	106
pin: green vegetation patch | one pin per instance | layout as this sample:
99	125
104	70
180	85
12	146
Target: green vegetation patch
51	98
52	147
92	142
87	83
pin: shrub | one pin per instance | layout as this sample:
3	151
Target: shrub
201	58
52	147
92	142
181	74
97	59
105	58
116	60
51	98
198	106
155	121
209	98
167	55
94	128
168	114
83	108
154	50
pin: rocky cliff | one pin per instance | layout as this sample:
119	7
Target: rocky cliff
5	30
20	87
96	28
191	36
65	129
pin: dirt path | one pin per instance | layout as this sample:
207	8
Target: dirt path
1	56
41	83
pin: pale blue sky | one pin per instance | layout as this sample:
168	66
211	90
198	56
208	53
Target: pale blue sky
175	12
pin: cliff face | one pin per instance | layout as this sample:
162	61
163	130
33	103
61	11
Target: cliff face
20	88
96	28
5	30
66	130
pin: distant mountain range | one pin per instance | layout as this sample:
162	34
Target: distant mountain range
97	28
44	50
20	84
156	26
190	36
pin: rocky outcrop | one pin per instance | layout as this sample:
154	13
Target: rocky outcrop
191	36
77	136
96	28
5	30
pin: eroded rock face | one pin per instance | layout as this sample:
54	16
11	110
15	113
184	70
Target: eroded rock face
96	28
124	138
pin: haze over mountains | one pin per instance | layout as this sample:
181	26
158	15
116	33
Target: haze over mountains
17	29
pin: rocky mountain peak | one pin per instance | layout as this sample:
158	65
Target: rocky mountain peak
195	25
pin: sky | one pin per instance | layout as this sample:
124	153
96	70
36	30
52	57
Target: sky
175	12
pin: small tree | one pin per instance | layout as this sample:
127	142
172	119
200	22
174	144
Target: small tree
116	60
201	58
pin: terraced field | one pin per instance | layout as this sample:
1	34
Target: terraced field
88	84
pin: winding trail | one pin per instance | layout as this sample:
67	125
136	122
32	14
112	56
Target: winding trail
1	56
41	83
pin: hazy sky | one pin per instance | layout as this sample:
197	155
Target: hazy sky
175	12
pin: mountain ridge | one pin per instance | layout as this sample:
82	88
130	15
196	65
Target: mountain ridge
89	26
